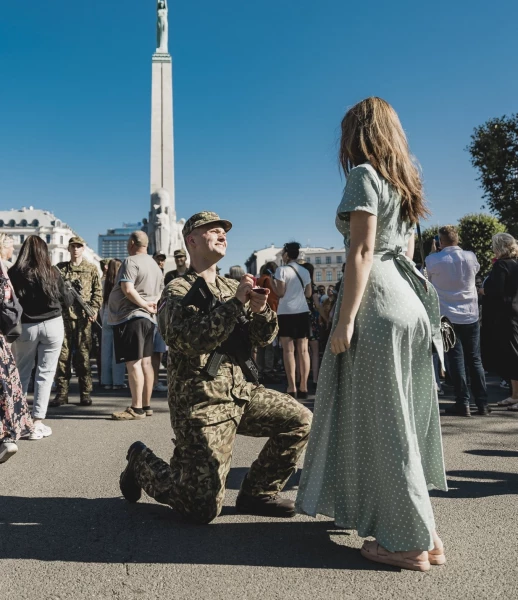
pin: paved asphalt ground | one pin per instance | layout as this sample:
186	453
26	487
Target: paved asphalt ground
66	533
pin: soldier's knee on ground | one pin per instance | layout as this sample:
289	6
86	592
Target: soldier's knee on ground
204	511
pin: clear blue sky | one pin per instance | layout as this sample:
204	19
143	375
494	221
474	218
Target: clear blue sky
260	89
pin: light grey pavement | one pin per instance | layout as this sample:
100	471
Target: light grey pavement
66	533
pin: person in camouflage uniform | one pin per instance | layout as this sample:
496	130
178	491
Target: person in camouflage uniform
78	327
180	259
207	413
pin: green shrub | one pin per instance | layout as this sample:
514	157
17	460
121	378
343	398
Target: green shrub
476	232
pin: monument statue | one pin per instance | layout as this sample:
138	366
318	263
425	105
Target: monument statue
162	27
160	222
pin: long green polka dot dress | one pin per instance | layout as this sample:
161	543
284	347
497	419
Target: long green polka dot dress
375	447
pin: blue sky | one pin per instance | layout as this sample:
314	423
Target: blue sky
260	89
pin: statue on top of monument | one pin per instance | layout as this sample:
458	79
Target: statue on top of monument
162	27
160	222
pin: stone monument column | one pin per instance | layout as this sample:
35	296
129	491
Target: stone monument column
162	147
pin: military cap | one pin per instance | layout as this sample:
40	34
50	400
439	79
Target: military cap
179	254
204	218
77	240
159	255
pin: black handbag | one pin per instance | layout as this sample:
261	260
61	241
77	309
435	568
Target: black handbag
10	312
449	339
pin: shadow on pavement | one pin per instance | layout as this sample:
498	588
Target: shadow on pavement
109	530
502	453
495	484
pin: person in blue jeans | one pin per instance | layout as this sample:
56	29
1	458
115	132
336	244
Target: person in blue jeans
41	292
112	374
453	271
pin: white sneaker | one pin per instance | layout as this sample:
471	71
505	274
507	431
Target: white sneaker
504	385
40	431
160	387
7	449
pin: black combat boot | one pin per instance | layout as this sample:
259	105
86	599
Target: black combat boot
130	489
59	400
85	400
265	506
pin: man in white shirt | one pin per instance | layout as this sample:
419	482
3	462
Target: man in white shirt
452	272
292	283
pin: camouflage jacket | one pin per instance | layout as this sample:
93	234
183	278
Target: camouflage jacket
88	274
191	336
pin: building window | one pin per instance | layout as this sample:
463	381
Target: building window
61	257
328	260
339	259
61	240
22	239
329	275
319	275
318	260
308	259
47	238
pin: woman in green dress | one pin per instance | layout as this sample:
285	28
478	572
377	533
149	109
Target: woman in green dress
375	447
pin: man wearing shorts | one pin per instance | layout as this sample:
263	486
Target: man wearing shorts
131	310
292	283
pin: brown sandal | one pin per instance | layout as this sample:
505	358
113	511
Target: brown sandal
373	551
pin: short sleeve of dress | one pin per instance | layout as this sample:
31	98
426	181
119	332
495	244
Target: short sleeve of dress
361	193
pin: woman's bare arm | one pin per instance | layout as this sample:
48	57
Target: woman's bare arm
356	275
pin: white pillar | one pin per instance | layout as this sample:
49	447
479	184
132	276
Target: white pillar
162	151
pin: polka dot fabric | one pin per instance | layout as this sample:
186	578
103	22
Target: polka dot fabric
375	447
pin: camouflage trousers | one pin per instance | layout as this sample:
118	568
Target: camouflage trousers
193	483
77	343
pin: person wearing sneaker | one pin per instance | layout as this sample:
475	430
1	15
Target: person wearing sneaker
41	292
207	411
453	272
15	417
132	308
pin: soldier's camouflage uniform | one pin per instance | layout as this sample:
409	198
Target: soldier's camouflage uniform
78	329
206	414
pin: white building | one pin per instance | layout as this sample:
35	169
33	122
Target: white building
23	222
327	262
260	257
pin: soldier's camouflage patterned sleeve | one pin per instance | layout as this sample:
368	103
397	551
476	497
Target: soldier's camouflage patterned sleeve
195	333
96	298
263	327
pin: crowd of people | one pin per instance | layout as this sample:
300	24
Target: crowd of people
374	445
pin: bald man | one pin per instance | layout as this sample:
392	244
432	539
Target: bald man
132	310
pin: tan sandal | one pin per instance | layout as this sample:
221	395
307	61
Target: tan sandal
373	551
436	556
507	402
128	415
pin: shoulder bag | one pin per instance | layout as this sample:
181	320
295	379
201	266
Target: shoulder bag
449	338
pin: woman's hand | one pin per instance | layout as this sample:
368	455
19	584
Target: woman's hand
341	338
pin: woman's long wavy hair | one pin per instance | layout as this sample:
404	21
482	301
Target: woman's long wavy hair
372	132
111	278
33	265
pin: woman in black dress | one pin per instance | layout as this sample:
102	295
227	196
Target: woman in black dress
500	312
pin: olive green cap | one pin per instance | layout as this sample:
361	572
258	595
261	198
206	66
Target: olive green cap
76	240
204	218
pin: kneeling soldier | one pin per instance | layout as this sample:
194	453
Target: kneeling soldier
210	406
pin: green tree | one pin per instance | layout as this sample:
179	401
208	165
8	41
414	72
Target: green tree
427	234
476	232
494	153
